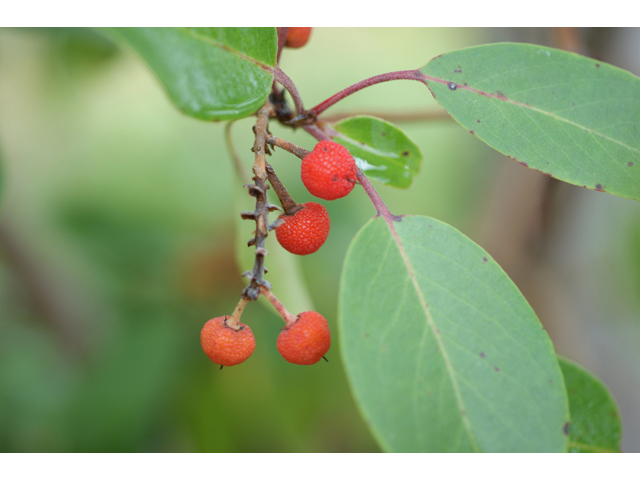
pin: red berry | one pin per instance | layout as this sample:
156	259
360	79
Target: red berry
305	231
329	171
306	341
297	37
224	345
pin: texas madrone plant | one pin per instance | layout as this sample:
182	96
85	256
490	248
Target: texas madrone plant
442	351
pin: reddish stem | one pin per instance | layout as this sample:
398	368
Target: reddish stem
284	313
316	132
284	80
381	208
282	39
385	77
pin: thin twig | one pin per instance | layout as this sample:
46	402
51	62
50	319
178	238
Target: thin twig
259	190
284	80
288	146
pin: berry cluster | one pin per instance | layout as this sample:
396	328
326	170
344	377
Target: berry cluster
304	340
328	172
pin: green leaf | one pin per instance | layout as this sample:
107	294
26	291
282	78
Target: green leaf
595	420
382	151
209	73
442	351
571	117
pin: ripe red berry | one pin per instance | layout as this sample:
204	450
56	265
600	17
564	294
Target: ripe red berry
224	345
297	37
305	341
329	171
305	231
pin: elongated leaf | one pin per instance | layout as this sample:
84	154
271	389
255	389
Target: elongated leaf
568	116
382	151
595	420
209	73
442	351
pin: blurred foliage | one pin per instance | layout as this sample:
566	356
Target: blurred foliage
117	239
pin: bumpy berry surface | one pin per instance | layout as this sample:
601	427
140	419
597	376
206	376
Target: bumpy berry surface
305	231
306	341
329	171
224	345
297	37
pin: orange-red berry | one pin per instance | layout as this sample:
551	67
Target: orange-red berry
297	37
329	171
305	341
305	231
225	345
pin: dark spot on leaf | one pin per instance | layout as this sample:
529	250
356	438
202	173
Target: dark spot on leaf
452	86
630	164
366	335
405	153
471	132
500	94
459	70
496	368
565	428
482	355
597	65
525	164
465	84
573	104
484	259
430	226
478	121
384	134
599	187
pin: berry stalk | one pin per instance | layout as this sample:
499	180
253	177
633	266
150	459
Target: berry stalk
288	146
288	204
234	320
288	318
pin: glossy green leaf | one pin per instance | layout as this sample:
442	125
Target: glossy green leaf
572	117
442	351
209	73
595	420
382	151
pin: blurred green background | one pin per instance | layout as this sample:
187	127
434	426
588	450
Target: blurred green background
117	243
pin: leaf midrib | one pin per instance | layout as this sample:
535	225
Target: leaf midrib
523	105
227	48
425	306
